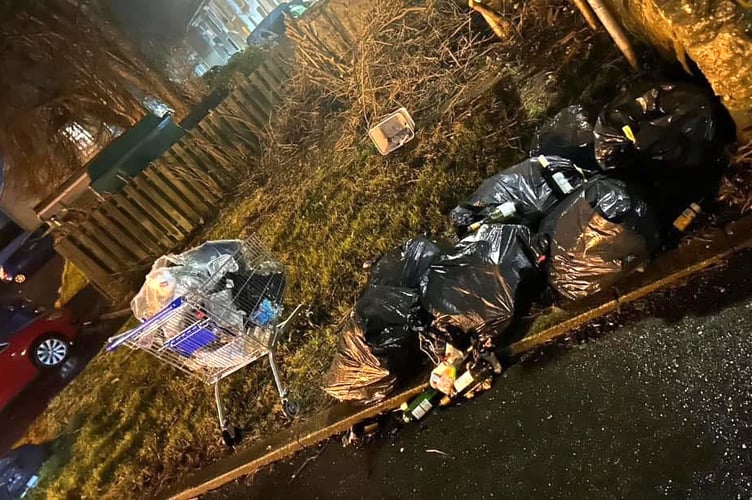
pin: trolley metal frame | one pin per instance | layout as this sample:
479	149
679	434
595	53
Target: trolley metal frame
228	322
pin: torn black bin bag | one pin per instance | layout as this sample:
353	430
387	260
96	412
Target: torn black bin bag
569	135
356	373
391	318
674	126
406	265
469	298
523	184
597	236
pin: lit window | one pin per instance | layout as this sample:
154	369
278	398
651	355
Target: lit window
81	137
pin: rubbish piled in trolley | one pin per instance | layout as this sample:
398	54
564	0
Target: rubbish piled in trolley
211	311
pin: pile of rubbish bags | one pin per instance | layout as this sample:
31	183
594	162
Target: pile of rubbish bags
591	205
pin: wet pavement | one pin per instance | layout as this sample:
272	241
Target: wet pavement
88	305
654	402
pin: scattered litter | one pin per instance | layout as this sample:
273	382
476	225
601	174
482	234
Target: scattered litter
393	132
419	407
370	428
308	461
438	452
590	206
350	438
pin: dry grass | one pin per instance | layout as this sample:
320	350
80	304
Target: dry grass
326	202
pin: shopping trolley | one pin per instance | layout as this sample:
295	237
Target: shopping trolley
231	320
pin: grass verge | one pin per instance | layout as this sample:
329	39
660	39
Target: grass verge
325	202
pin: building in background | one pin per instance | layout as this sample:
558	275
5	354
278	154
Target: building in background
220	28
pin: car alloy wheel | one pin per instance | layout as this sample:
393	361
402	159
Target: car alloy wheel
20	279
51	352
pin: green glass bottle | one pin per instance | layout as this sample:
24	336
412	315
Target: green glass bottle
419	407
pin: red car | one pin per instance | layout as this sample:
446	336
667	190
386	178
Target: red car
30	341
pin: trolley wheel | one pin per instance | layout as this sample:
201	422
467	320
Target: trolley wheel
228	439
291	408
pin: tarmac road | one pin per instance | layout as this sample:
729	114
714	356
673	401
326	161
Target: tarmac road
658	406
41	288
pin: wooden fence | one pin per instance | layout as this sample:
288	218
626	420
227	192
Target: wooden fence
164	205
161	207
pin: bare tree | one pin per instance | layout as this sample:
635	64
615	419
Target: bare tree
65	71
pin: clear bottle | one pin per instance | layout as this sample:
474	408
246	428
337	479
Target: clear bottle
475	374
500	213
556	180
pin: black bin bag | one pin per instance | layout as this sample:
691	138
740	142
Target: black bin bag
356	373
661	129
598	235
472	290
406	265
567	134
468	298
510	246
391	318
525	185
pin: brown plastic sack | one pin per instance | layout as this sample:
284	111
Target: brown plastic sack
356	373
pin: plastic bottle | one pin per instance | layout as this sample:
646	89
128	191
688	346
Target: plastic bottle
443	376
557	180
475	376
419	407
686	218
501	213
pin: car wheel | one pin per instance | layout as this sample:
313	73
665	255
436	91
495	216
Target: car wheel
20	279
50	352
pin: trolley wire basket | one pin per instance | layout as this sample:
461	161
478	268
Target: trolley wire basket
228	317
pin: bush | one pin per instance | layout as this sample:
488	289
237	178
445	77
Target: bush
239	67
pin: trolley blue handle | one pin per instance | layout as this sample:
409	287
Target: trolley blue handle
122	339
